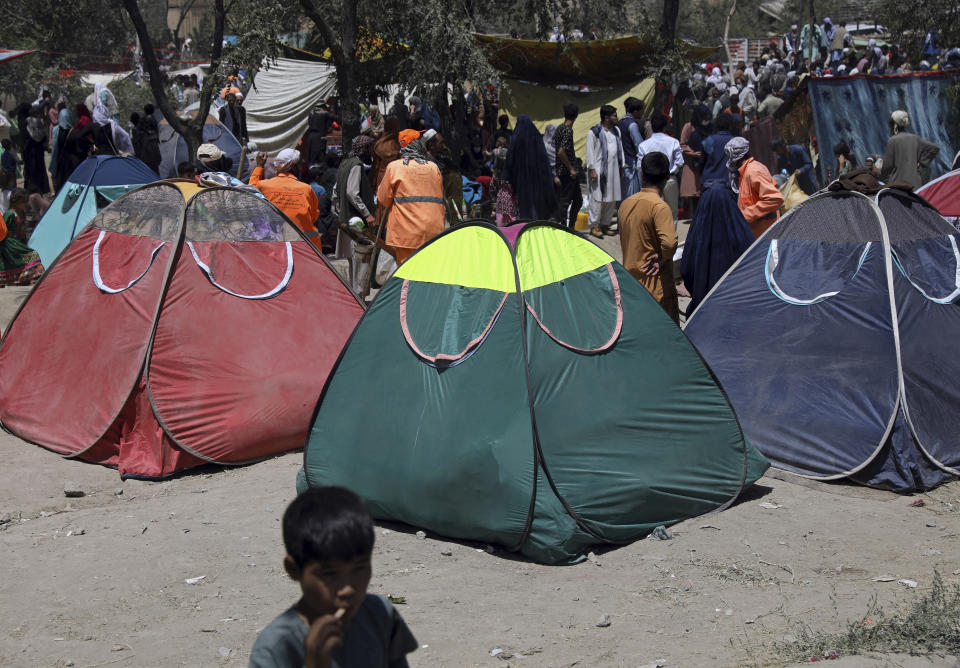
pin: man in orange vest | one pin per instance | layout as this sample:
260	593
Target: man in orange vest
295	198
412	188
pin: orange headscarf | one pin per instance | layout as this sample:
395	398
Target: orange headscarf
407	136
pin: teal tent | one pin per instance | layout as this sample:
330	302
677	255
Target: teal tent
519	387
95	183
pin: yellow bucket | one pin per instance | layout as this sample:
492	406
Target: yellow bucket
583	221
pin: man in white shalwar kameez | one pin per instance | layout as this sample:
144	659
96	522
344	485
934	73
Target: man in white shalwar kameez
605	163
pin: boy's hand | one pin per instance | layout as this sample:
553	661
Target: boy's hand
324	635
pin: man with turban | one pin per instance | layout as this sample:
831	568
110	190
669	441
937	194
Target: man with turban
758	196
412	189
908	157
295	198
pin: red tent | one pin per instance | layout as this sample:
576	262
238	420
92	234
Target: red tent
182	326
944	194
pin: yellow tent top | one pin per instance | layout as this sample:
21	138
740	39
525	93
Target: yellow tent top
544	105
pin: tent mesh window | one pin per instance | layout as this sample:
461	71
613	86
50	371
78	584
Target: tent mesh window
223	214
910	218
837	219
150	212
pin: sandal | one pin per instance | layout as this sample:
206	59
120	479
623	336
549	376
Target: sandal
596	232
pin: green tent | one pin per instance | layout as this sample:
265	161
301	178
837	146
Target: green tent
520	387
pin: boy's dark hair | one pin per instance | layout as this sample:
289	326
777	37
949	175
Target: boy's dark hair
571	110
6	144
606	110
327	524
632	104
776	144
148	109
186	168
724	122
331	160
17	195
134	118
659	122
655	168
315	173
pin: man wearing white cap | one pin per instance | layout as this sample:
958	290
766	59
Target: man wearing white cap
908	156
295	198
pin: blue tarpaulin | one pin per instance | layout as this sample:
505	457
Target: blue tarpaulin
855	110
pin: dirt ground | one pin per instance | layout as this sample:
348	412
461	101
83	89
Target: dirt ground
103	579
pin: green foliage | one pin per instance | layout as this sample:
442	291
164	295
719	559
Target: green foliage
910	20
931	624
131	97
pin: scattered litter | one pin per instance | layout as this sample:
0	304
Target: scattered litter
770	506
224	652
251	565
120	648
396	600
909	583
72	490
208	630
76	532
229	619
489	549
918	503
931	524
882	578
592	558
657	663
193	581
385	532
69	664
118	491
728	612
446	552
604	621
143	530
957	572
424	646
930	553
660	533
709	526
421	535
185	531
495	652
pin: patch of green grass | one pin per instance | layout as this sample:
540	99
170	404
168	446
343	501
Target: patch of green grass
930	625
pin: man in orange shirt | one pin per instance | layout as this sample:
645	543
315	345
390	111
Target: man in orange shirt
758	196
295	198
412	188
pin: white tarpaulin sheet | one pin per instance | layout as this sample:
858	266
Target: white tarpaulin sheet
281	99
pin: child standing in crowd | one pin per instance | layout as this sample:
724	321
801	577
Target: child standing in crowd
328	535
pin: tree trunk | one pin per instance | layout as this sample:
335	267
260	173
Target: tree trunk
726	31
668	26
812	27
192	130
344	53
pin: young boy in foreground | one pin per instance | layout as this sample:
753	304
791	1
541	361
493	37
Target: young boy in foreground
328	535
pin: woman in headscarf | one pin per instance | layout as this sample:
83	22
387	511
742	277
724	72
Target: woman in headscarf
376	121
57	151
35	143
19	264
719	234
527	170
758	196
108	136
548	133
691	141
77	144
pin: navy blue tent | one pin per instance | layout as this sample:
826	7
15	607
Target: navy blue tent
95	183
834	337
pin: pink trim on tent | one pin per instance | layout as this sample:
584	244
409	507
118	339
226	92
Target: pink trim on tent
616	330
441	359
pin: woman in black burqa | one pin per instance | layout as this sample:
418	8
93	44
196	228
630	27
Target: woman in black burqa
527	169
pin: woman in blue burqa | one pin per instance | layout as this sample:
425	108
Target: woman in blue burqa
718	236
528	172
